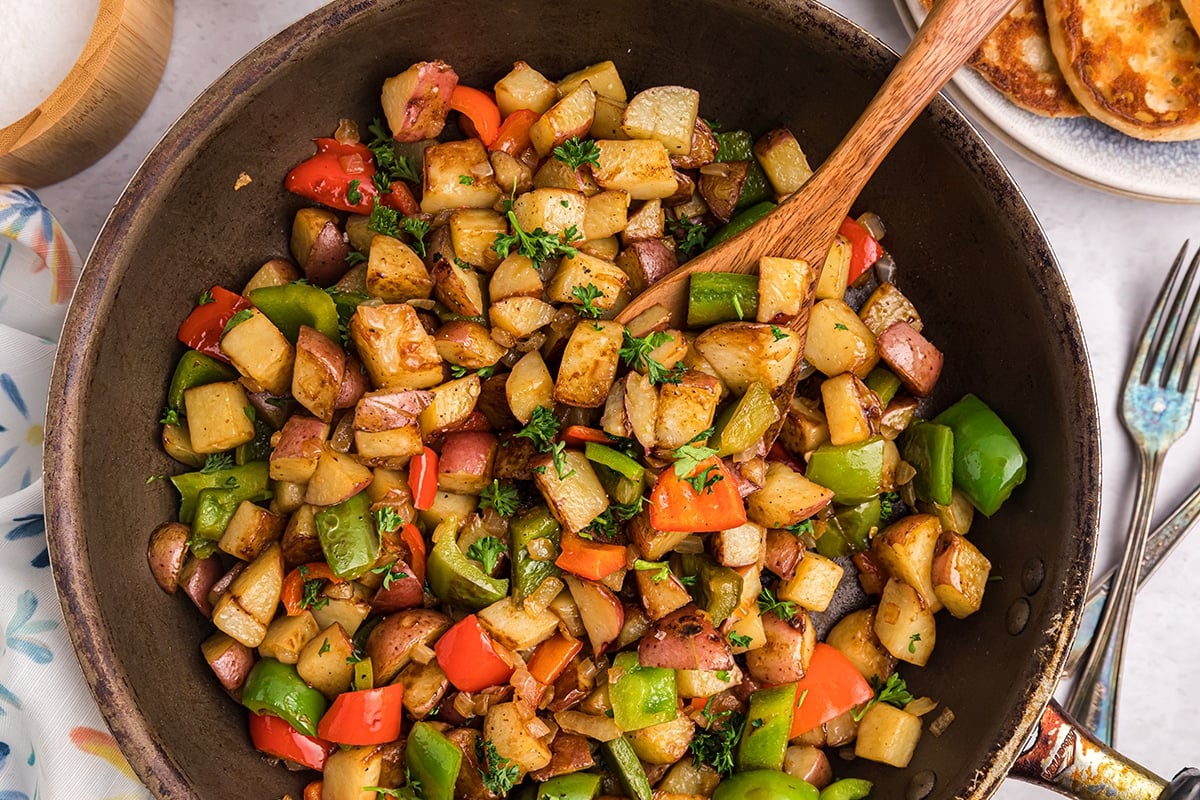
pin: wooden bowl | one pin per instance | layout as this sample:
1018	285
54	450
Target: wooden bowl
100	99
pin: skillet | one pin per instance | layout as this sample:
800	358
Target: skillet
972	258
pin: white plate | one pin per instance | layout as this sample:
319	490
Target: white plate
1078	148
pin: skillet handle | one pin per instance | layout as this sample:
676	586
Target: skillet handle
1060	755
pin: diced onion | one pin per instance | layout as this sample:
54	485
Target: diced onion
602	729
873	223
540	549
905	472
921	706
543	596
422	654
941	722
587	669
692	544
347	132
464	704
537	728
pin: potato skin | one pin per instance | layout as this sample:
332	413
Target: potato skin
391	641
685	639
785	656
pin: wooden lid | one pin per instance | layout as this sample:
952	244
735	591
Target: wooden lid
99	101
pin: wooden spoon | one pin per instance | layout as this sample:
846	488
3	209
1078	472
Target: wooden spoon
805	224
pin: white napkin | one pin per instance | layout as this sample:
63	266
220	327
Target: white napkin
53	741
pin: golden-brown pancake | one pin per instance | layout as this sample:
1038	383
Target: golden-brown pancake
1133	64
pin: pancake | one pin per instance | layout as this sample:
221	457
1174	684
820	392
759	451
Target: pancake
1016	59
1132	64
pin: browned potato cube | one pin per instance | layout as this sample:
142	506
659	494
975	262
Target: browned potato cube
577	497
886	306
417	100
318	374
395	273
814	582
461	290
524	87
648	222
589	364
835	275
905	549
784	285
646	261
446	165
782	159
805	427
529	386
261	353
555	211
251	530
570	117
838	341
665	113
603	78
740	546
606	214
851	409
467	344
787	497
904	624
515	277
960	574
394	347
452	402
685	409
217	418
641	167
601	282
914	359
287	636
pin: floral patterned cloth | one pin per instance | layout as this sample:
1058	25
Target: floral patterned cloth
53	741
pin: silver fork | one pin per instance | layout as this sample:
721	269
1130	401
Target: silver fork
1156	407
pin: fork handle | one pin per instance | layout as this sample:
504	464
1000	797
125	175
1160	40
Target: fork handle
1093	698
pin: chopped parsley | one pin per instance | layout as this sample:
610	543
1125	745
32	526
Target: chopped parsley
541	429
385	221
537	245
312	597
912	642
324	647
206	298
738	640
499	774
690	456
635	352
778	333
170	417
214	462
662	570
723	675
804	526
388	166
894	692
387	519
355	258
416	228
588	295
487	551
768	603
353	195
237	319
466	180
691	236
576	152
458	262
391	574
839	327
502	497
715	743
705	480
887	503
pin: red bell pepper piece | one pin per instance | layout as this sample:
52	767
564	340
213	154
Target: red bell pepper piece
513	136
552	656
412	537
578	435
422	479
367	716
831	686
865	249
274	736
339	176
468	657
675	505
203	327
480	109
594	561
292	594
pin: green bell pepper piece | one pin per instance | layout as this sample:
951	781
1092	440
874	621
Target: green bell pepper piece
527	572
257	449
768	726
856	523
853	471
295	304
832	544
433	760
455	579
619	488
641	696
576	786
721	297
630	774
348	536
276	688
743	424
615	460
988	460
884	383
929	447
847	789
740	222
251	480
764	784
739	146
196	369
214	508
347	303
717	589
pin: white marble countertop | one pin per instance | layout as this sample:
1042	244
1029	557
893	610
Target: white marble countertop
1113	250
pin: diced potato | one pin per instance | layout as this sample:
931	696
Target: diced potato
814	582
851	409
394	347
905	550
395	273
452	402
783	288
746	622
528	386
606	248
956	517
641	167
640	408
516	628
577	497
177	442
348	770
685	409
230	660
570	117
467	344
888	734
805	427
646	261
505	728
446	505
665	113
389	448
782	159
648	222
809	764
287	636
589	363
217	418
460	290
446	163
467	461
660	597
520	316
300	542
312	228
603	78
835	275
583	271
515	277
905	625
740	546
338	477
960	574
665	742
417	100
886	306
787	497
606	214
706	682
251	530
653	543
512	175
325	662
854	635
789	648
261	353
745	352
912	357
276	272
524	87
424	687
721	184
555	211
609	115
318	373
248	607
838	341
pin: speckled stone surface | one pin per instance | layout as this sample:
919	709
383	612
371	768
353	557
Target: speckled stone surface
1113	250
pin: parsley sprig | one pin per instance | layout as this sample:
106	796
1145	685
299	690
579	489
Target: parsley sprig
688	457
536	245
587	296
738	640
542	428
576	152
715	744
416	228
214	462
388	166
387	519
662	570
768	603
804	526
635	352
499	774
895	692
487	551
391	573
691	236
502	497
